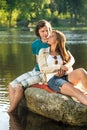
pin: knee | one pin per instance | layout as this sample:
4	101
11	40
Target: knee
19	88
9	87
81	71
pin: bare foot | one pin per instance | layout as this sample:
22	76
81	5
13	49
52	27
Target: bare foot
11	109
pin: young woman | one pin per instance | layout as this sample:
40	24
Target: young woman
56	57
16	87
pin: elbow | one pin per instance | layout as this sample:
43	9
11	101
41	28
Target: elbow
73	60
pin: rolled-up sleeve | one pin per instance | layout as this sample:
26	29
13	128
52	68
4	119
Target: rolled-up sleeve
42	62
71	61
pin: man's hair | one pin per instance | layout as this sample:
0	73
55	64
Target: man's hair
41	24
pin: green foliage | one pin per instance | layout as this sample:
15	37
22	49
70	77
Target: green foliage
2	4
52	10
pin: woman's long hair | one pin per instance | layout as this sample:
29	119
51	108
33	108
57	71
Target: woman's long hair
61	47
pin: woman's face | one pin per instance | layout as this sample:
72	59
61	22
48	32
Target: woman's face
44	33
52	39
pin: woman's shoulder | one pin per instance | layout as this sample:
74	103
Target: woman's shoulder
44	50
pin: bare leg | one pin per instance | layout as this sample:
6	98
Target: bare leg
69	90
11	93
15	96
78	75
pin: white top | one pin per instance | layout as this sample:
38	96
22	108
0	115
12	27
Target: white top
51	60
51	63
47	63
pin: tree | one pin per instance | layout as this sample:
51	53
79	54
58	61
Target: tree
10	6
75	8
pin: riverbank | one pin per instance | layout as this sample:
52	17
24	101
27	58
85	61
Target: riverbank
31	29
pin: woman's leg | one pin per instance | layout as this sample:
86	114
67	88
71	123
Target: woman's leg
69	90
15	96
78	75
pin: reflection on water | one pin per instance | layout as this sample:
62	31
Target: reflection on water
15	59
4	120
76	37
36	122
29	120
13	36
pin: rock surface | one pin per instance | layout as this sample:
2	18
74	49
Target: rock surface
56	106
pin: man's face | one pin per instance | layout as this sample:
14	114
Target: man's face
44	33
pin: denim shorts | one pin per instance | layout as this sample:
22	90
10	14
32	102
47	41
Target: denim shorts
55	83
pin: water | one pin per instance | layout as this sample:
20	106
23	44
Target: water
15	59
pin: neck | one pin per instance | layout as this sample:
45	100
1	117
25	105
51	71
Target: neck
52	48
53	51
44	40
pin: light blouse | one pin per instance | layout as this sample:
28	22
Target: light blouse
47	64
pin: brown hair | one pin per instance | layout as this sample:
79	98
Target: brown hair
41	24
61	46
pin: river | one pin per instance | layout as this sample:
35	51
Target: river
15	59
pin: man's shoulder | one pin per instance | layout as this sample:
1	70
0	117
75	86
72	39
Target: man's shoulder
37	41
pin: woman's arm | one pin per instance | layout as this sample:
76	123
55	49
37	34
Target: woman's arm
67	66
71	61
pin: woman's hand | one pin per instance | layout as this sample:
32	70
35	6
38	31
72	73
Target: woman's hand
61	72
63	67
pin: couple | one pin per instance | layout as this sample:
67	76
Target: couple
54	66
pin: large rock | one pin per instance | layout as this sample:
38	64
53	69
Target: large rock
56	106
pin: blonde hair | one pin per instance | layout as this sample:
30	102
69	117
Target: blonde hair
61	46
